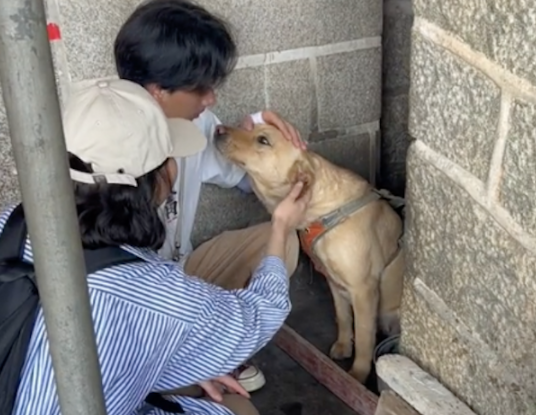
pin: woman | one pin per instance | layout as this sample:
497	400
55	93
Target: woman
157	329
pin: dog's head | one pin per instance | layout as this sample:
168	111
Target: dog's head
267	156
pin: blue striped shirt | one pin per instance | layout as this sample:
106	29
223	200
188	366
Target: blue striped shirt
159	329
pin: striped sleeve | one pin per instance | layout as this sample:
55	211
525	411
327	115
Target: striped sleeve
231	327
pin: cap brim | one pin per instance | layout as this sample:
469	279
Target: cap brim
186	137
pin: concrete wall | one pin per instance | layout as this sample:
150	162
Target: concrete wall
470	300
317	63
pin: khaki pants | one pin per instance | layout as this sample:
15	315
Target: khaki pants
229	260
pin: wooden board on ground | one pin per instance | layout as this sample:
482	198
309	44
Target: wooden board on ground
418	388
391	404
327	372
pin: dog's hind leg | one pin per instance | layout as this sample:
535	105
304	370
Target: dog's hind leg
391	286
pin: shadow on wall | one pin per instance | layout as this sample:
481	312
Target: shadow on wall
396	42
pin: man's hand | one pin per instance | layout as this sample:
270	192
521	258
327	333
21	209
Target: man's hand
214	387
288	130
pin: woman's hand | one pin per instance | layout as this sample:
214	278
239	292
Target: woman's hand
213	388
290	212
289	131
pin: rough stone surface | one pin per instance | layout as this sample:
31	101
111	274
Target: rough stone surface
504	29
242	94
437	348
88	30
455	109
294	100
9	185
519	178
486	278
348	88
280	24
394	142
350	152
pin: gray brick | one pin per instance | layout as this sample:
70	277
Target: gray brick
88	30
519	174
349	88
9	185
291	93
454	108
505	30
242	94
481	273
280	24
225	209
350	152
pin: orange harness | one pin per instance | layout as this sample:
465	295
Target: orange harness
317	229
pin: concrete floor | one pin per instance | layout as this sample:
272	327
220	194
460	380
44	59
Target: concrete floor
288	385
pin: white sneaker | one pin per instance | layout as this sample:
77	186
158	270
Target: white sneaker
250	377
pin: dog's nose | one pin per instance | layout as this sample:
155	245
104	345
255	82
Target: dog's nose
220	131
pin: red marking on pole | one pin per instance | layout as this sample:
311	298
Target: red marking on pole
53	32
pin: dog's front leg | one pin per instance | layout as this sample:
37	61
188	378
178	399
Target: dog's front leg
342	348
365	305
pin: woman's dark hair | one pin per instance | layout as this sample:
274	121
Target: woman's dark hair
112	214
175	45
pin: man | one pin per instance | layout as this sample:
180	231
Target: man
181	53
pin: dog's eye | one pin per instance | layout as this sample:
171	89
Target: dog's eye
263	140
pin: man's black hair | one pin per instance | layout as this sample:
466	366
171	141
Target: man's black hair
175	45
113	215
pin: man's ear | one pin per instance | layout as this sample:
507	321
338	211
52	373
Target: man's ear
302	171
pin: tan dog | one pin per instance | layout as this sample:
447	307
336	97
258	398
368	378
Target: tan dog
360	255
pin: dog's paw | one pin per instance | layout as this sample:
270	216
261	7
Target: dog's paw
360	371
341	350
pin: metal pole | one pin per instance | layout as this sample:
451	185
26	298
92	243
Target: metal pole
34	118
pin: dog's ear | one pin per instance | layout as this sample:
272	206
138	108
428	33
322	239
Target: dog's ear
302	171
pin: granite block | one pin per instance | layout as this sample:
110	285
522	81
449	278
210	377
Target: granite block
504	30
291	92
349	88
350	152
276	25
88	31
519	172
242	94
454	108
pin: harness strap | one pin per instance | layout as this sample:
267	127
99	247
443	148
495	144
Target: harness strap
332	219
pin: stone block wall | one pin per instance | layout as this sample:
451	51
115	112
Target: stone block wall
469	308
317	63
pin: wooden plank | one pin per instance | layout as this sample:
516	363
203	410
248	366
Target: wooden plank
422	391
392	404
325	371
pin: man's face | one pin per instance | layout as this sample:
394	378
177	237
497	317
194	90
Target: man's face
183	104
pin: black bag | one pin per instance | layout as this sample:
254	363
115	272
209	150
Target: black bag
19	303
